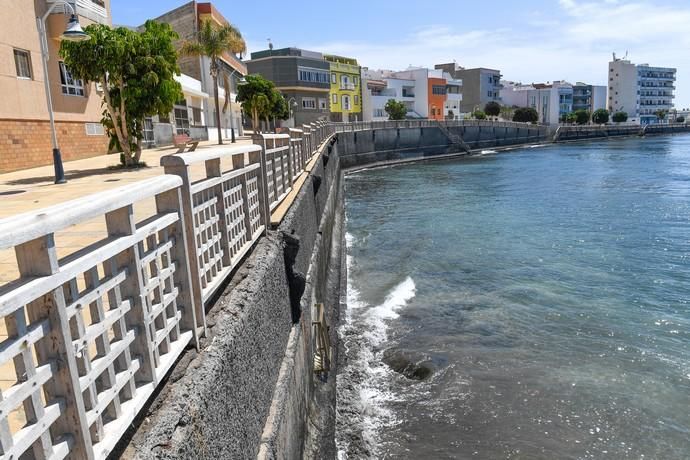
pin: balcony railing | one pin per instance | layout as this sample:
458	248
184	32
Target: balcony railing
347	86
91	9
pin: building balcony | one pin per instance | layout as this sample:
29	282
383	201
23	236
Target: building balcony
347	86
90	9
345	68
656	79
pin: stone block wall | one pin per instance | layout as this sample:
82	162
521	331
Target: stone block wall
27	143
183	21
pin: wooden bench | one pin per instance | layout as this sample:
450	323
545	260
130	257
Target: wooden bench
181	141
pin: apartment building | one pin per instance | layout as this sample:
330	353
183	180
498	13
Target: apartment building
479	85
378	86
551	100
196	113
25	135
303	77
427	93
346	88
640	90
588	97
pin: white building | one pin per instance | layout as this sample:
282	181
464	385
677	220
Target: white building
426	93
191	116
550	100
640	90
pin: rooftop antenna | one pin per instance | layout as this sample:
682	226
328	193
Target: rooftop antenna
626	55
270	44
614	57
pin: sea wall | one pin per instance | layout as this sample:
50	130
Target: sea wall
575	133
385	145
250	390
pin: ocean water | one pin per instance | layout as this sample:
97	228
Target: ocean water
531	304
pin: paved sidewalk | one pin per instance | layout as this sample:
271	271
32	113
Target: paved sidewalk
31	189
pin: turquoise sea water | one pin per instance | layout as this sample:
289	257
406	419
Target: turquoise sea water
545	291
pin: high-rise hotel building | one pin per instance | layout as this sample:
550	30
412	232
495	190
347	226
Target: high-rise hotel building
640	90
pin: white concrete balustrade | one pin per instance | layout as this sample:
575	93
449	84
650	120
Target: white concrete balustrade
90	336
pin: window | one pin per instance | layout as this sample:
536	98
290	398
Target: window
308	103
22	62
334	99
440	90
181	117
354	80
323	104
346	103
313	75
94	129
148	130
196	116
70	86
334	78
379	113
491	93
356	99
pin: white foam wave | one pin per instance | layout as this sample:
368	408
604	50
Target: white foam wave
388	310
349	240
487	152
363	330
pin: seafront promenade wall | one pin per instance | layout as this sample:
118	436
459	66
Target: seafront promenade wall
252	391
379	143
164	335
576	133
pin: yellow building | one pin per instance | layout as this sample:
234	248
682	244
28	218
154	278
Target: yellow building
346	88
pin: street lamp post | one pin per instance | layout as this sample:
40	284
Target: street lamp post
73	32
232	119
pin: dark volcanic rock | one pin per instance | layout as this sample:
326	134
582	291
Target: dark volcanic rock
407	364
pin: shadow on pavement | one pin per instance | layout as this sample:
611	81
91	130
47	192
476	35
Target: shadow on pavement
74	174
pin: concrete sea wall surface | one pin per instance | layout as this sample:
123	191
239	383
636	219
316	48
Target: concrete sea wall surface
575	133
386	145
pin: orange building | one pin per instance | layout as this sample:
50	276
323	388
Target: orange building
437	98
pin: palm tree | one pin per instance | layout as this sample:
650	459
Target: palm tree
213	41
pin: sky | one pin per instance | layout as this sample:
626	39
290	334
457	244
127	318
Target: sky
528	40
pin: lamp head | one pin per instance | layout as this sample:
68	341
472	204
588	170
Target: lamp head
74	32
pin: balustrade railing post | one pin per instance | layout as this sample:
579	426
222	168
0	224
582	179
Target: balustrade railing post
38	258
171	201
187	205
258	139
288	154
120	222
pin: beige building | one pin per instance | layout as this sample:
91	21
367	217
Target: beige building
25	138
186	20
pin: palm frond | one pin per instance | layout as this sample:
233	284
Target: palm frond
192	48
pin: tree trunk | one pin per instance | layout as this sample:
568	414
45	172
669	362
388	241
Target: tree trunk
215	99
115	115
255	121
137	153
